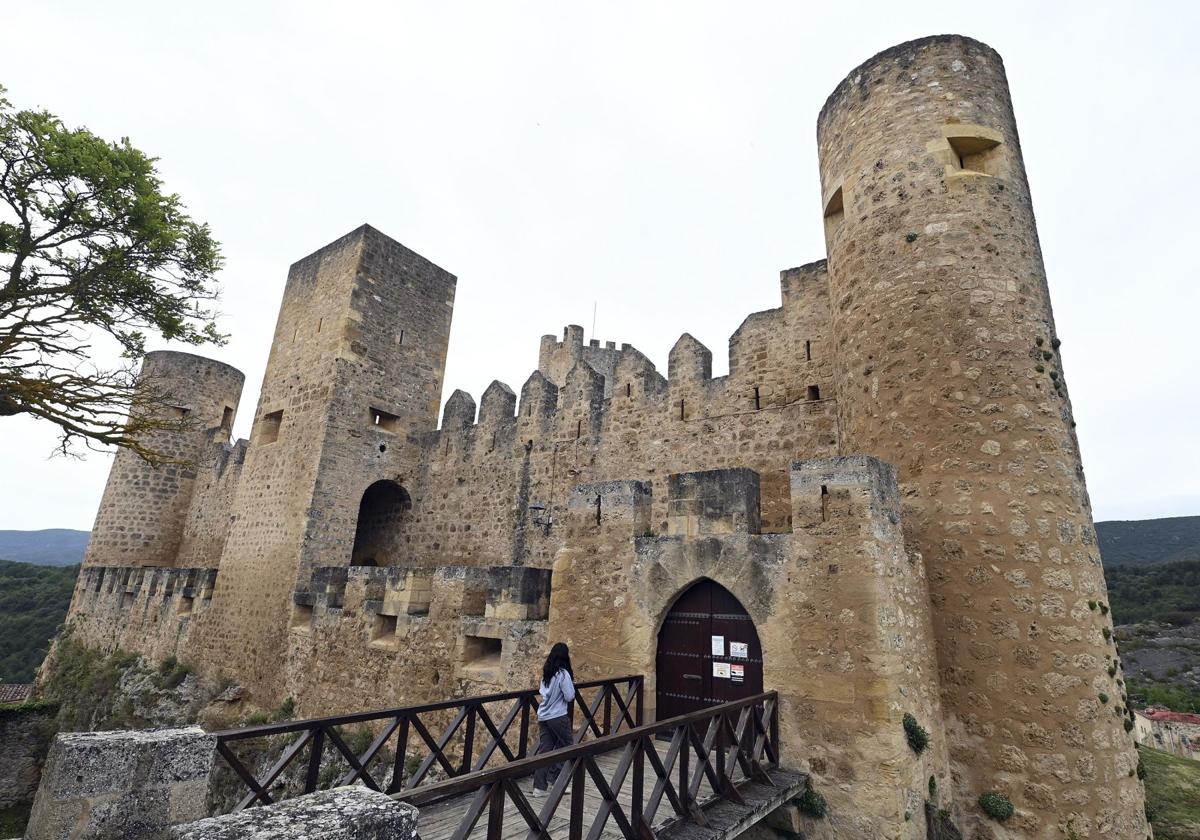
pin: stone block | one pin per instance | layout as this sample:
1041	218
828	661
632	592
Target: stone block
345	813
713	502
99	785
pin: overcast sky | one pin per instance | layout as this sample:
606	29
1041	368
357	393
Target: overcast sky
656	160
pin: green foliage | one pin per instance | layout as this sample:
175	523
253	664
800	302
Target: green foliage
996	805
1169	592
1055	343
1092	605
286	709
33	603
82	682
1148	542
1177	698
812	803
918	738
360	739
910	238
1141	765
1103	697
1107	633
91	244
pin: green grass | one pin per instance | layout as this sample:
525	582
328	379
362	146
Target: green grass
1173	794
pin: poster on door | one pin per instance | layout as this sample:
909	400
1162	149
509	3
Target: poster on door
737	673
739	650
721	670
718	645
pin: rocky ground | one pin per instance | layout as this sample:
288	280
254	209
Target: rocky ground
1161	653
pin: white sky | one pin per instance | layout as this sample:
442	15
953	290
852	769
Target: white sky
656	159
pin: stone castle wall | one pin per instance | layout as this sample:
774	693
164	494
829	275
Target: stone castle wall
143	510
919	539
948	366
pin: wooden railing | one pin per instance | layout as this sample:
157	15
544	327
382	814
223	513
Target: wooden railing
712	745
480	733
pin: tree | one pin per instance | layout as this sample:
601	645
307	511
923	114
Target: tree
90	245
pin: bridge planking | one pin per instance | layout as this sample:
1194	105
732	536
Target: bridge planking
725	819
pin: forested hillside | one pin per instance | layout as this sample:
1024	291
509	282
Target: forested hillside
48	547
1168	593
33	602
1148	542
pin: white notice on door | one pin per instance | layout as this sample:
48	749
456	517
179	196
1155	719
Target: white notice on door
739	650
721	669
718	645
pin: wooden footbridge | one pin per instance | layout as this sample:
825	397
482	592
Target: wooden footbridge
706	775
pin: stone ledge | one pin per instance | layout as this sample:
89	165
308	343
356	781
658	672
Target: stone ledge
345	813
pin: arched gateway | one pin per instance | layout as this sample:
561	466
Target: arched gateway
708	652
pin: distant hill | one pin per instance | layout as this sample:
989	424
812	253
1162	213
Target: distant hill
1145	542
33	602
51	547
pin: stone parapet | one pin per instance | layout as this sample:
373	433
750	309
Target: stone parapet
345	813
122	785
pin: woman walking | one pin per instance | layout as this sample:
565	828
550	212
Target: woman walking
554	726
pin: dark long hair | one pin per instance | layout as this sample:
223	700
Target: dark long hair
559	658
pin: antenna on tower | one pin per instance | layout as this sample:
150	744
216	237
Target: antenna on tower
593	319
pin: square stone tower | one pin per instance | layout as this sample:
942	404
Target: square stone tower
356	364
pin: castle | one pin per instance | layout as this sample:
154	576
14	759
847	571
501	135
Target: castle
880	511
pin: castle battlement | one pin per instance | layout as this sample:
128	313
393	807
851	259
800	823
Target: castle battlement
881	504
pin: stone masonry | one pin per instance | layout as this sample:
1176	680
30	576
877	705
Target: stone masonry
887	480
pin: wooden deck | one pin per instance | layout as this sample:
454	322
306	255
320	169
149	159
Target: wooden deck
725	819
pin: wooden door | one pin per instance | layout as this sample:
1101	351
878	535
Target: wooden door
696	665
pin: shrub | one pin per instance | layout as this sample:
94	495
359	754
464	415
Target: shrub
812	803
1104	609
910	238
1091	605
1055	343
918	738
1141	768
1103	697
286	709
1107	633
1128	725
996	805
167	665
1112	670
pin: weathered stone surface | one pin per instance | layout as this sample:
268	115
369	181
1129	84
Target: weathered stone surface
24	732
346	813
920	539
110	785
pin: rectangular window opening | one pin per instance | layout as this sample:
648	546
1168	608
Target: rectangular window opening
598	497
185	605
578	429
681	414
628	389
268	427
227	418
383	629
385	421
481	653
808	351
757	400
302	617
814	392
824	503
400	340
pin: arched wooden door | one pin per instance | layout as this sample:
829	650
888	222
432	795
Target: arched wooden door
708	652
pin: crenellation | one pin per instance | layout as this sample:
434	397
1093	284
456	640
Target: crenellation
884	483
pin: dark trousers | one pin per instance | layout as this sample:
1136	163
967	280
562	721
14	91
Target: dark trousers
553	734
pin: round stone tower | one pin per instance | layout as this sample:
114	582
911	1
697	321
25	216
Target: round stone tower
948	366
142	512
